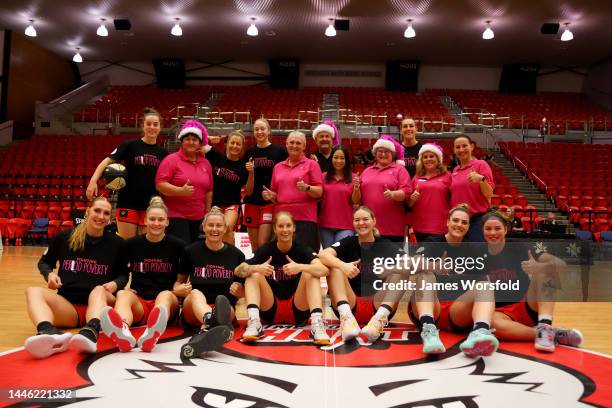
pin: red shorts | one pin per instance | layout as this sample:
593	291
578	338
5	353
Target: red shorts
443	322
81	314
147	306
130	216
363	309
520	312
284	311
255	215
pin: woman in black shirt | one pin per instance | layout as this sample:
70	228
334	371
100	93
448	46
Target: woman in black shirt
141	158
229	176
208	267
91	267
283	280
152	298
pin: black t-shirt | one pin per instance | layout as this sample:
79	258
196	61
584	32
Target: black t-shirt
464	262
154	265
411	155
228	178
211	272
325	163
264	158
282	285
349	250
141	161
103	260
506	266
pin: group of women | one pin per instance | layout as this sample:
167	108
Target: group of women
201	190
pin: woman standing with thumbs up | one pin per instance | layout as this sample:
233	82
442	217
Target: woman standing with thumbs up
296	186
185	179
283	283
430	198
472	183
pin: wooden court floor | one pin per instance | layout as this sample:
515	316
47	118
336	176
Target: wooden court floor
18	271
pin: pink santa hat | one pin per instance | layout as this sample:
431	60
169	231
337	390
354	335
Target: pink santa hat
328	127
193	127
388	142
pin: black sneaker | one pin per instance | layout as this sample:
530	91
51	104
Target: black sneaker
220	316
204	341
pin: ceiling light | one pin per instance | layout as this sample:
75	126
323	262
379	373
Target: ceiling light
252	30
77	57
567	34
177	30
102	31
409	33
30	31
330	31
488	34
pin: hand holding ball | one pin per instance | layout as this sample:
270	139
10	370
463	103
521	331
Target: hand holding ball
115	176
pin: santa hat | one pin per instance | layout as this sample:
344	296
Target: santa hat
193	127
433	148
388	142
328	127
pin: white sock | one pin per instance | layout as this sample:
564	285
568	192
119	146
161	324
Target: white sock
344	309
316	315
253	313
382	313
544	317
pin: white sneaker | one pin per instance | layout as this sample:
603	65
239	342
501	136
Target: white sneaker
374	329
45	344
116	329
83	344
349	327
254	331
317	331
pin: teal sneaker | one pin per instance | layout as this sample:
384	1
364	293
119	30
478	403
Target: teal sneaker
431	339
480	342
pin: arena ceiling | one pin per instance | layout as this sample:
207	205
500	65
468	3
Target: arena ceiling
448	32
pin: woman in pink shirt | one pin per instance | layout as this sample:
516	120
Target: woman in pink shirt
384	187
472	183
341	192
430	198
296	186
185	179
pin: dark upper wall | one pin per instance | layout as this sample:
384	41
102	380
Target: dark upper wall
35	74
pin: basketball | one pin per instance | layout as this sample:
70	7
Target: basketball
115	176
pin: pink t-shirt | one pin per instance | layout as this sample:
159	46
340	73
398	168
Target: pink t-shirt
288	197
336	205
464	191
176	170
430	212
389	214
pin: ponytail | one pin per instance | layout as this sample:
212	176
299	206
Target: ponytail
76	241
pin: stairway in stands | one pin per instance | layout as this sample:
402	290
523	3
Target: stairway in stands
534	196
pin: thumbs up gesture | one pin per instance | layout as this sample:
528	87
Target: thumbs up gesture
388	194
351	269
301	186
474	177
292	268
530	266
415	194
265	268
268	194
356	182
250	165
187	189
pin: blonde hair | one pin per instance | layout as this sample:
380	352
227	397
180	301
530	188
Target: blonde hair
420	169
280	214
214	211
236	133
371	213
300	135
157	202
459	207
265	122
76	242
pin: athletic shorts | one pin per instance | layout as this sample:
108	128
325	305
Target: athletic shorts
81	314
182	320
284	311
147	306
130	216
443	322
256	215
520	312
